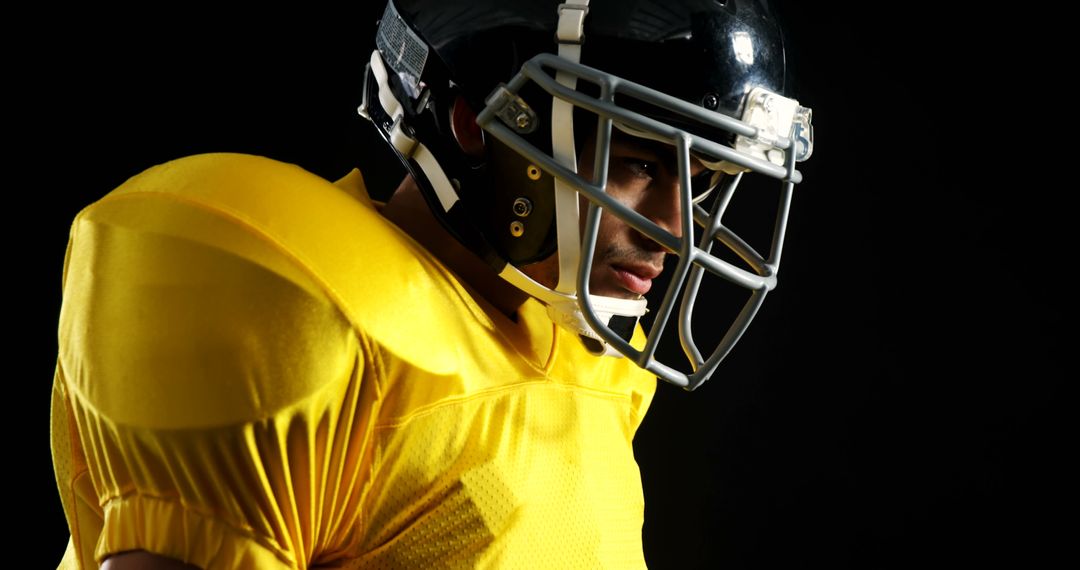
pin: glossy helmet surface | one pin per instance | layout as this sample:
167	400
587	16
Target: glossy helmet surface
704	76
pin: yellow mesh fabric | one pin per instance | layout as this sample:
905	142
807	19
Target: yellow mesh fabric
257	371
508	480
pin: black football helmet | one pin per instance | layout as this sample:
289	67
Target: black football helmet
707	77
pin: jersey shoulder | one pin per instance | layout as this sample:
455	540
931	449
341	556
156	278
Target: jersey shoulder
333	233
225	250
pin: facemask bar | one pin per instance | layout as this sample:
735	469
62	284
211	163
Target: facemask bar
692	260
714	230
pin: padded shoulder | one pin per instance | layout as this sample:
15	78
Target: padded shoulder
161	331
379	278
235	266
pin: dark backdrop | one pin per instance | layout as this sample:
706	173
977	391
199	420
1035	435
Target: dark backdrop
897	404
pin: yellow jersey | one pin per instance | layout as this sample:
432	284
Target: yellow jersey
257	370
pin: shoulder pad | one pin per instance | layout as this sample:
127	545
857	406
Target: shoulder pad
386	285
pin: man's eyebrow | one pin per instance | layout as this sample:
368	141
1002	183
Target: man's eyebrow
664	153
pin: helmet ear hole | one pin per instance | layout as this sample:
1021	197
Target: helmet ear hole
468	135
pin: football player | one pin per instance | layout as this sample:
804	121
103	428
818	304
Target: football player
261	369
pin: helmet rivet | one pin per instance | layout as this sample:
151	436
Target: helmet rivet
710	101
522	121
517	229
522	207
533	172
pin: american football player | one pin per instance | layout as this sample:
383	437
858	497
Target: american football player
262	369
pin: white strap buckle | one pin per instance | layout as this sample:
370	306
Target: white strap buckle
571	29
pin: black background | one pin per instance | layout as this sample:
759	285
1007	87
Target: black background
898	403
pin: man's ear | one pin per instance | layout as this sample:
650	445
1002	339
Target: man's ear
468	134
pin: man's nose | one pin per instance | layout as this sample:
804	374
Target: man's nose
664	203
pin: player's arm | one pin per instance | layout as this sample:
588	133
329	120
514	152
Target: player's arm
142	560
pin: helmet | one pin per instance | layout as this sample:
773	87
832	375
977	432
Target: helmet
704	76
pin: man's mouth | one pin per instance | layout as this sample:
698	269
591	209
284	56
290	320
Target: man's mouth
636	278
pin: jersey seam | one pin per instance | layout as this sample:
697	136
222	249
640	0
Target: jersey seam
493	392
554	352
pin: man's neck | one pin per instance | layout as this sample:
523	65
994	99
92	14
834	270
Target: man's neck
408	210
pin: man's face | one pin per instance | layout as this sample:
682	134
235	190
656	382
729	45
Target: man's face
644	176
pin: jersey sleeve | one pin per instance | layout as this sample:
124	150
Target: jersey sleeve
207	395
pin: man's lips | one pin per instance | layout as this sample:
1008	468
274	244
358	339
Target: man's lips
636	278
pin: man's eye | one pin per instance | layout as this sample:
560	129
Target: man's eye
638	167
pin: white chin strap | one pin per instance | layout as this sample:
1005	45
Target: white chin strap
562	303
406	145
564	310
570	33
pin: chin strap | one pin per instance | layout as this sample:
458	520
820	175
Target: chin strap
395	37
405	144
570	34
562	303
621	315
563	308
